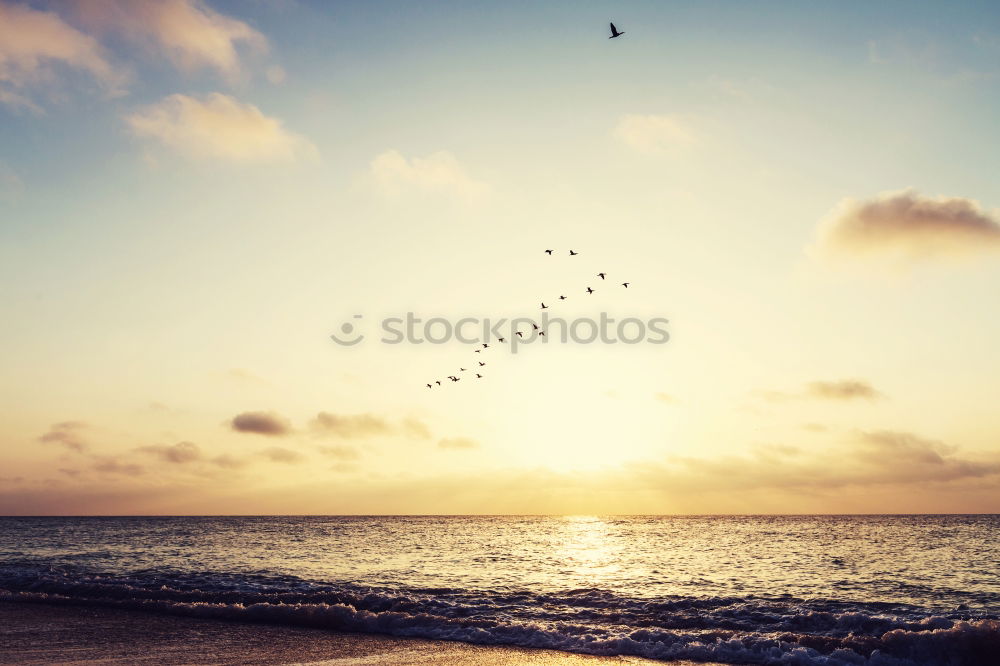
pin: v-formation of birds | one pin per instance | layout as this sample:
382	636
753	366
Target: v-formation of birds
484	345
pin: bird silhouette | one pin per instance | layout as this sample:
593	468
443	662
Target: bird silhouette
626	284
534	327
614	32
429	386
520	334
437	382
548	252
461	369
541	332
481	364
589	290
500	339
601	275
485	345
478	376
454	379
478	350
572	253
544	306
562	298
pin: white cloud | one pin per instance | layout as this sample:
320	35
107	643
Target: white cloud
218	127
189	32
439	172
654	134
35	45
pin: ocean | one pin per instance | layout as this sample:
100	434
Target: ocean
824	590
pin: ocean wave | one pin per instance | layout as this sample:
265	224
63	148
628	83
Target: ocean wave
736	630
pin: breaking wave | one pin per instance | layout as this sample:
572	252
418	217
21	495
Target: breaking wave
735	630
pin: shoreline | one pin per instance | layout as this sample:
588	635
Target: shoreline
37	633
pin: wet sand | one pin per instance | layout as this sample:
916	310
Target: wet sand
40	634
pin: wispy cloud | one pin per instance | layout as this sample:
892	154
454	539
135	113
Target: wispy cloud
218	127
458	443
35	44
188	32
68	434
839	390
654	134
113	465
179	453
261	423
907	227
438	172
360	426
282	455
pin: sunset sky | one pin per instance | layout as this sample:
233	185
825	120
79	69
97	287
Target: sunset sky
194	196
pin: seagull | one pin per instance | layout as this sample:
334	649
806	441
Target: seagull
478	376
614	32
481	364
562	298
454	379
520	334
437	382
534	326
429	386
589	290
625	284
541	332
572	253
544	306
548	252
601	275
461	369
485	345
478	350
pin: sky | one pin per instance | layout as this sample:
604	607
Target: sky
194	196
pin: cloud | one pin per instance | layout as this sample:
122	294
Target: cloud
906	457
111	465
228	462
438	172
261	423
218	127
340	452
848	389
11	186
189	32
415	428
907	227
282	455
35	44
665	397
654	134
352	426
66	434
182	452
458	443
842	390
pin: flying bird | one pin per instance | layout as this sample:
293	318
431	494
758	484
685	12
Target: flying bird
485	345
520	334
548	252
601	275
614	32
626	284
429	386
462	369
534	326
478	376
562	298
478	350
541	332
572	253
544	306
437	382
589	290
500	339
481	364
454	379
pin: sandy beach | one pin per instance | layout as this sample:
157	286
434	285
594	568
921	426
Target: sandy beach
41	634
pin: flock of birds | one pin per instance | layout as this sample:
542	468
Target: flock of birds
520	334
562	297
